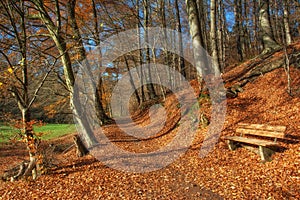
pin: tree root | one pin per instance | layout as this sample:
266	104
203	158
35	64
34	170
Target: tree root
15	172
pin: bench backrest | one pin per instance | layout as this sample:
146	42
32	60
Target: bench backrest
261	130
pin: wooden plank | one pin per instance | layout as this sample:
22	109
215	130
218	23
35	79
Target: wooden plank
272	134
262	127
253	141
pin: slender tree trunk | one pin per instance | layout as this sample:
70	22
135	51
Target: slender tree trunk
139	26
150	85
286	24
202	17
239	28
257	43
221	32
180	40
247	37
213	34
275	23
167	57
136	94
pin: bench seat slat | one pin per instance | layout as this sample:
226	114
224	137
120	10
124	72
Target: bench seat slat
262	127
265	133
253	141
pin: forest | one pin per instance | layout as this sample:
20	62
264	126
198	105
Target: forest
140	99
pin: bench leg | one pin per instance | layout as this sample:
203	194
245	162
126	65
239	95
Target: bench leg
265	154
232	145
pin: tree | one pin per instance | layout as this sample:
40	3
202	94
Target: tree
238	11
267	35
55	31
286	24
196	33
22	73
213	34
103	118
146	10
181	63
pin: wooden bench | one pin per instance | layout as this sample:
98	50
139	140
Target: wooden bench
261	138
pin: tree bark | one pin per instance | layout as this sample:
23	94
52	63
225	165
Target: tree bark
213	34
140	52
286	24
150	85
181	63
239	28
197	39
267	35
60	43
203	16
102	116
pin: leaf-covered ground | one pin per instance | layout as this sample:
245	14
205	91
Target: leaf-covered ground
222	174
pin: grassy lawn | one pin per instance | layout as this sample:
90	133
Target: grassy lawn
49	131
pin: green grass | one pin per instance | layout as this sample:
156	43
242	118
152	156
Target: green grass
49	131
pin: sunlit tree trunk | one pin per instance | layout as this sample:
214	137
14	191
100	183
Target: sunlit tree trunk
203	18
197	40
140	52
150	85
287	32
267	35
60	42
167	57
15	13
221	32
103	118
180	40
213	34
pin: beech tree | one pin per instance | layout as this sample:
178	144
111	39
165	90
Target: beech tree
23	79
213	33
55	31
286	23
267	34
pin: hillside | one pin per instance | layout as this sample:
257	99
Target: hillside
222	174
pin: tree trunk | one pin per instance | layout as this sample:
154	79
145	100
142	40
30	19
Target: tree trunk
213	34
197	39
181	63
81	150
203	16
286	24
56	35
136	94
102	116
222	32
139	26
267	35
257	43
150	85
239	28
